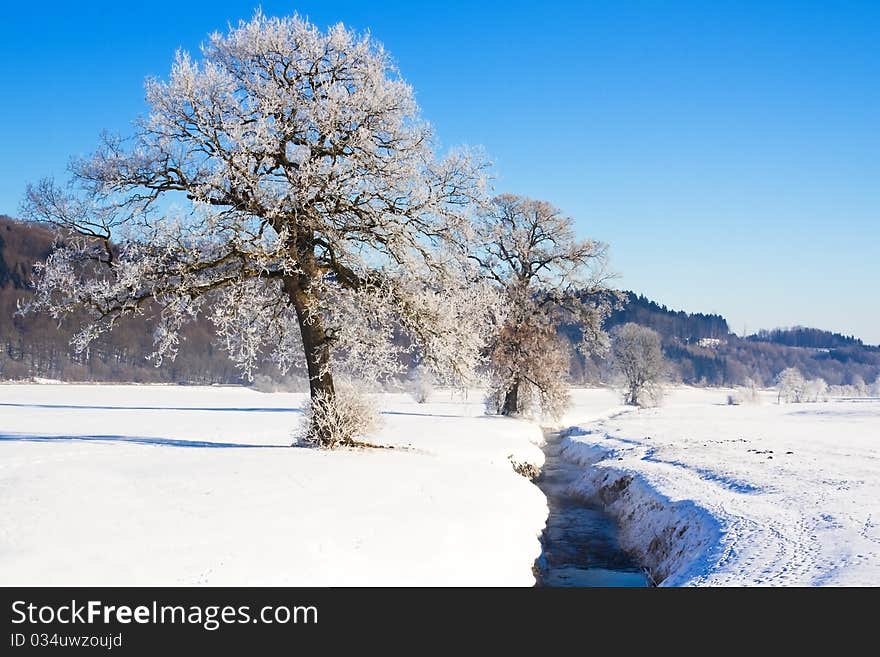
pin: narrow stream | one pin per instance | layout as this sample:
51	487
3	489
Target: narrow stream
580	546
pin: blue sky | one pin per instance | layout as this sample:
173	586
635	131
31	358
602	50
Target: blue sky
729	152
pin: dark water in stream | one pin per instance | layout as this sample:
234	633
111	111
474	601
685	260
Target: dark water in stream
580	546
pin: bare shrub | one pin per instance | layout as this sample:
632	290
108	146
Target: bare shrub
421	385
745	394
528	470
338	420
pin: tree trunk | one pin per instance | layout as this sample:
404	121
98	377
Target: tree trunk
302	296
511	400
633	396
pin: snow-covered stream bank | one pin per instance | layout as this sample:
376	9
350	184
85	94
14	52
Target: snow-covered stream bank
763	494
164	485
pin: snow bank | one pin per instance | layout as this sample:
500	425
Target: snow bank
711	494
672	539
163	485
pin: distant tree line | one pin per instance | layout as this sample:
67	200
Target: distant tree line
35	346
702	350
672	324
810	338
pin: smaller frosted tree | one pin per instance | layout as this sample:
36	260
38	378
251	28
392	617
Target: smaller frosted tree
860	388
528	251
790	385
637	357
815	390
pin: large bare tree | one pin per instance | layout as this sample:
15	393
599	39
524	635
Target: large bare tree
285	185
546	276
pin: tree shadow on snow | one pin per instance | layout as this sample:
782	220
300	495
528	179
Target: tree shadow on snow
231	409
138	440
413	414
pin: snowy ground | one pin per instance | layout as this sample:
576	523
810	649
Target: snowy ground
164	485
711	494
153	485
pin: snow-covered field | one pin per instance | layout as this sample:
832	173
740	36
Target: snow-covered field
164	485
154	485
711	494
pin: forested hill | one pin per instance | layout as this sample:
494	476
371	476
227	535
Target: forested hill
36	346
810	338
20	246
672	324
700	346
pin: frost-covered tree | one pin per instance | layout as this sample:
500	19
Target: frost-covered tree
790	385
636	355
421	384
815	390
285	186
528	250
859	386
